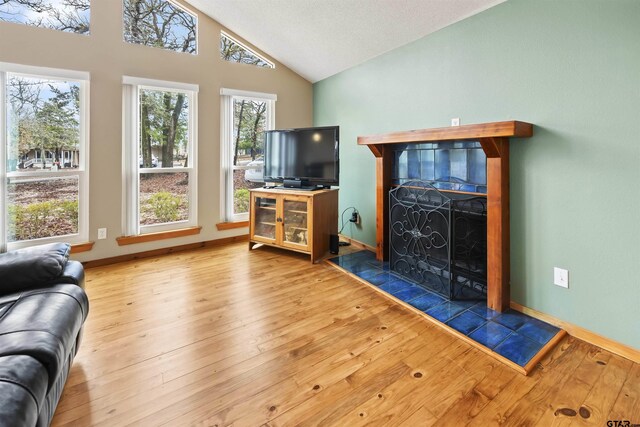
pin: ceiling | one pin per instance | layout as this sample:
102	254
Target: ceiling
320	38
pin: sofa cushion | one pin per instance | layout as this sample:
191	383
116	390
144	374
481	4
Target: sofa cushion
23	387
73	273
43	324
32	267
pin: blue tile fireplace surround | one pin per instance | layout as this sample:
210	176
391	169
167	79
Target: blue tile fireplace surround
512	337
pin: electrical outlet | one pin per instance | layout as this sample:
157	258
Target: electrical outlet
355	217
455	121
561	277
102	233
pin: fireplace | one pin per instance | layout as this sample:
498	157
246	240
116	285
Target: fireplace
493	139
439	239
448	230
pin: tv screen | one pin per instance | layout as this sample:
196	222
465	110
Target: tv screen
309	155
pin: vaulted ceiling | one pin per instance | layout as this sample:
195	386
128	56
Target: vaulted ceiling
320	38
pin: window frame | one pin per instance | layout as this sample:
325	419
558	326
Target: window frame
227	98
82	172
131	151
179	6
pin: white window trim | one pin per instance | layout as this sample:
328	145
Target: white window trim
163	84
227	97
248	94
3	163
83	78
272	65
130	164
44	72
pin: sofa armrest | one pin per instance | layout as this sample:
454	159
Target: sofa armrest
31	268
73	273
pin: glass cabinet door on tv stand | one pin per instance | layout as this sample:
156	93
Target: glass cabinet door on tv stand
294	222
265	219
301	221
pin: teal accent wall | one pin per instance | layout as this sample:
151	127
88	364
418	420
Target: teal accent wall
570	67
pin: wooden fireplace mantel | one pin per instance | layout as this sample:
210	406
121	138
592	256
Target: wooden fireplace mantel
494	139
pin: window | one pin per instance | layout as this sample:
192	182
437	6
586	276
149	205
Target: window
160	23
245	117
234	51
159	155
44	150
64	15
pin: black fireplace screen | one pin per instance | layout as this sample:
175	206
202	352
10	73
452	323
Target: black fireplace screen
439	240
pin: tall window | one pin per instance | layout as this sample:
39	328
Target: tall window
245	117
160	23
233	51
63	15
44	145
159	155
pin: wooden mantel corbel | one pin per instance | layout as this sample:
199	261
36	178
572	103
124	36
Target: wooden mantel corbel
494	139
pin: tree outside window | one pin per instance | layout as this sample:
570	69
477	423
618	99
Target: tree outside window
245	116
160	188
63	15
43	161
43	135
43	118
249	124
164	143
233	51
160	23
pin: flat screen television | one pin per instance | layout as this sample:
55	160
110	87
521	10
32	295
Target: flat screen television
307	157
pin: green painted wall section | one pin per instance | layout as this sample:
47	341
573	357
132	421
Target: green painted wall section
570	67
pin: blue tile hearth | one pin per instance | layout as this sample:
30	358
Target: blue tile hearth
466	322
538	331
511	319
368	274
518	348
410	293
511	334
381	279
426	301
445	311
382	265
396	285
490	334
484	311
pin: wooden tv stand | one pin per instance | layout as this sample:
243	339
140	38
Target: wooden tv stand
300	221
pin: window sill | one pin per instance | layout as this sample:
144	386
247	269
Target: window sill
231	225
152	237
82	247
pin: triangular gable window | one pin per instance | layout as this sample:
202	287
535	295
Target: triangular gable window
234	51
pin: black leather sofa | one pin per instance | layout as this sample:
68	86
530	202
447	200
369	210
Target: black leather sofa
42	309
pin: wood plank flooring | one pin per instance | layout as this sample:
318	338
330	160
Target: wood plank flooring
223	336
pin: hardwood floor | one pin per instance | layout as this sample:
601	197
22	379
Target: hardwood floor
222	336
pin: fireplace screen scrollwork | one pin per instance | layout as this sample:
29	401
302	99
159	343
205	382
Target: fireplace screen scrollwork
439	239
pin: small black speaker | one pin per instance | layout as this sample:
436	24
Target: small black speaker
333	243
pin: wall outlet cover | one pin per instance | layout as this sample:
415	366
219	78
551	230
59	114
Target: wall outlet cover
561	277
102	233
455	121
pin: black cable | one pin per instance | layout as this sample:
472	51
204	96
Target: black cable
342	223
